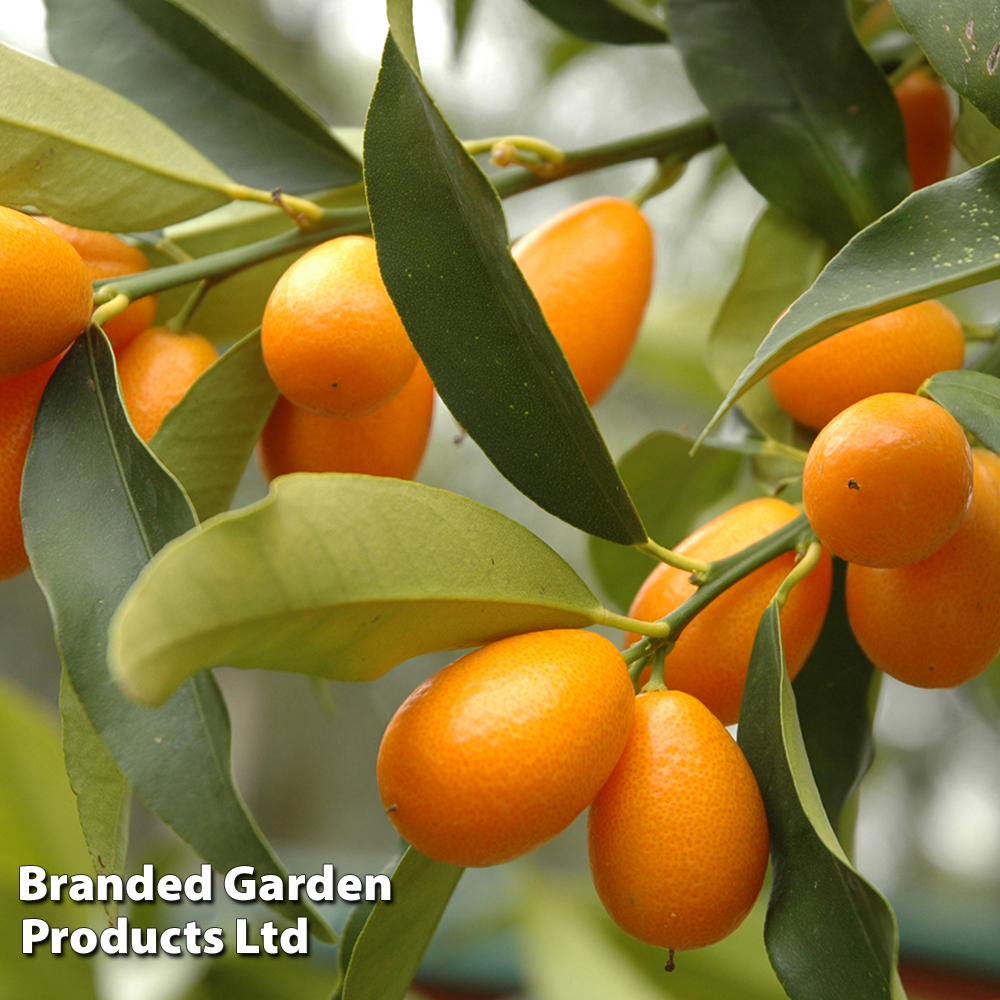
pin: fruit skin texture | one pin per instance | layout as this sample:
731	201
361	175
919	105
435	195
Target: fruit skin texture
156	370
887	481
106	256
712	654
678	835
390	441
936	623
927	116
332	339
19	398
500	751
591	269
890	353
45	294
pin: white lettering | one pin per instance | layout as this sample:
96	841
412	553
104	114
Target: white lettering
169	889
32	883
198	888
295	940
140	887
32	932
384	885
349	888
243	947
249	887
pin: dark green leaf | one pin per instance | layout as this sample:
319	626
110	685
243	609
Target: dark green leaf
171	60
339	576
206	440
81	153
670	488
829	933
396	935
781	261
103	794
443	252
973	399
938	240
976	137
619	22
96	506
833	693
962	42
806	114
989	360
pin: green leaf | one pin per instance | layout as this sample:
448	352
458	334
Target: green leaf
619	22
170	59
443	252
207	439
972	398
937	241
781	261
808	117
829	932
96	505
396	935
38	826
81	153
833	694
461	11
670	488
976	137
339	576
103	794
962	42
989	360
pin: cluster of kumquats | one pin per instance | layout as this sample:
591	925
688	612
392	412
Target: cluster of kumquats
502	749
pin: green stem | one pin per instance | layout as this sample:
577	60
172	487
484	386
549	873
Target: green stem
656	682
671	558
657	630
668	172
110	309
179	321
978	332
801	570
635	670
913	60
681	142
778	449
723	574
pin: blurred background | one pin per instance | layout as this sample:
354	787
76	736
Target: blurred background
928	831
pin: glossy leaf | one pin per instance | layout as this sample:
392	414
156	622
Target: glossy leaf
170	59
96	505
38	826
443	252
339	576
81	153
782	259
973	399
830	934
808	117
940	239
206	440
962	42
396	935
619	22
670	488
833	694
976	137
103	794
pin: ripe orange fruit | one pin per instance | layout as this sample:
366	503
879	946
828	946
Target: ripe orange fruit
887	480
156	370
500	751
989	461
332	339
890	353
106	256
927	117
390	441
591	269
936	623
678	835
19	398
712	654
45	294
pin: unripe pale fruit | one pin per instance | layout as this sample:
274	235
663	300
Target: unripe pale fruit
156	370
591	269
45	294
678	834
887	481
936	623
504	748
389	441
332	339
895	352
712	654
106	256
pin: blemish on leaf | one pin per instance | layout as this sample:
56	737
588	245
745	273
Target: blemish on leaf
993	59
